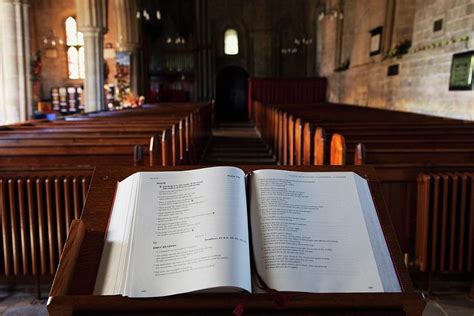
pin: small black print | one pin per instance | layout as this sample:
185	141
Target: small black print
392	70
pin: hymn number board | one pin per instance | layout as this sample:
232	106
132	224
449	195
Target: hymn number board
462	68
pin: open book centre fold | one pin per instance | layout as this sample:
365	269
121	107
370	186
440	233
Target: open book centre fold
184	231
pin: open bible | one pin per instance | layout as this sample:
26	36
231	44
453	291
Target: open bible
220	230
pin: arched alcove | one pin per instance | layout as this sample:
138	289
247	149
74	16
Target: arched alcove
231	94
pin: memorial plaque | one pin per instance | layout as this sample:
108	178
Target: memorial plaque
438	25
461	71
375	41
392	70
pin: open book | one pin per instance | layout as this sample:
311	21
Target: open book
185	231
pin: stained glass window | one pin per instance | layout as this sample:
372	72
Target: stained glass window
75	50
231	42
73	62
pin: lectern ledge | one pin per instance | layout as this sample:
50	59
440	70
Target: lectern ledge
76	288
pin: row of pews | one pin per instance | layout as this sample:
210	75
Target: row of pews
46	167
425	166
165	134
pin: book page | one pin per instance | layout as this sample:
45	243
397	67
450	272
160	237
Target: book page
190	233
117	242
309	233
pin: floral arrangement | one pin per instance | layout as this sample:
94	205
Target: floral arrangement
344	66
399	50
442	43
35	67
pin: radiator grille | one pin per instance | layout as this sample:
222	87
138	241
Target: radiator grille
445	222
35	216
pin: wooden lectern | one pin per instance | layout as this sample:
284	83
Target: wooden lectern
73	285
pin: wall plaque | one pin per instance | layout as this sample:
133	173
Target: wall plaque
50	53
375	41
392	70
438	25
462	71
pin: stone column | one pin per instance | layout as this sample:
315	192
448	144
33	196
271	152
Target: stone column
128	39
91	18
389	25
15	85
204	58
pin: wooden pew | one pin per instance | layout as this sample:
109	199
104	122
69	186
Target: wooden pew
284	91
119	125
157	149
356	133
399	138
39	201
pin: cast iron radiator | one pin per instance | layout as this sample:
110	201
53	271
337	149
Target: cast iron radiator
35	216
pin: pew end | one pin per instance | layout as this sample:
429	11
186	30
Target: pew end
359	154
291	140
338	150
307	143
298	141
167	148
319	146
138	155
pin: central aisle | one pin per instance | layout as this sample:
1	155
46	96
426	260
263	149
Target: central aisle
237	144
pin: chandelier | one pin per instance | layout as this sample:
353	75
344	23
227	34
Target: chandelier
143	14
51	40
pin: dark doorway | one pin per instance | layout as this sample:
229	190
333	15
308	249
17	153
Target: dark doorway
231	94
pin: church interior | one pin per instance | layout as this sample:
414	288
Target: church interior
383	84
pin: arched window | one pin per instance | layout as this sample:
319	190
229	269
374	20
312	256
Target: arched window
231	42
75	50
73	62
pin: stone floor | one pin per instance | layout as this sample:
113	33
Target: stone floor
21	300
237	144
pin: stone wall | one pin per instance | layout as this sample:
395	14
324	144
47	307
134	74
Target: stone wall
422	84
48	17
265	27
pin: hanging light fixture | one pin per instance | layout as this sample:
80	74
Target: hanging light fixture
51	40
143	13
331	14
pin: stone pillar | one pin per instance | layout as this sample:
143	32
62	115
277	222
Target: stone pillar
204	58
15	85
91	21
389	25
128	38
